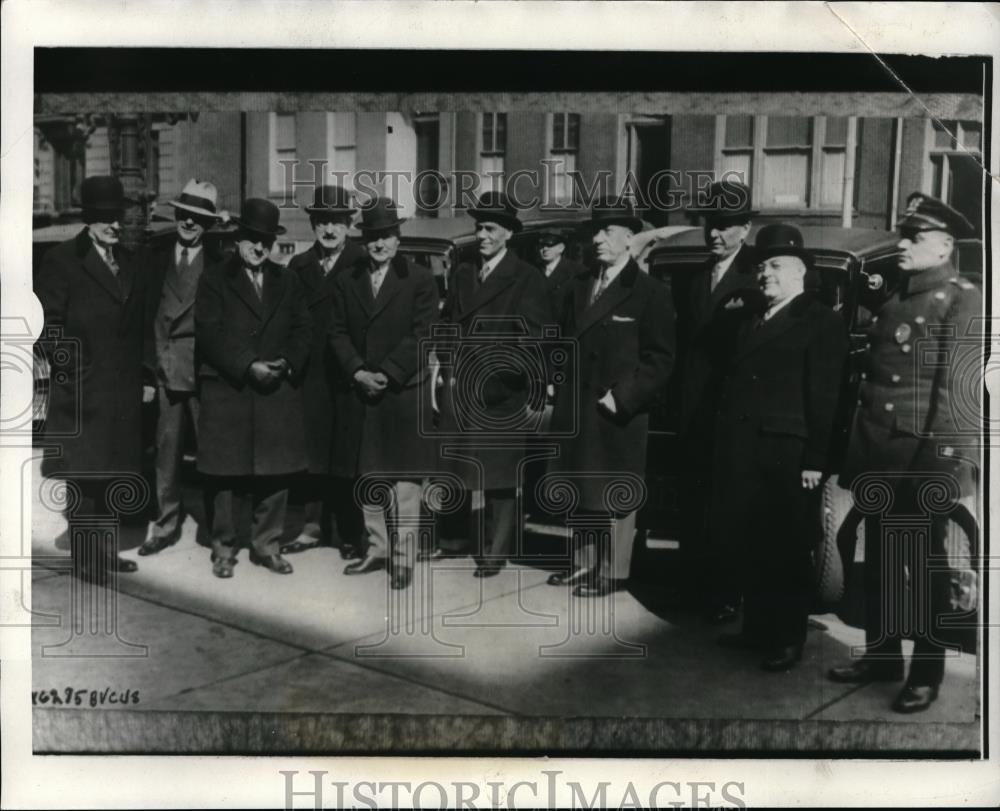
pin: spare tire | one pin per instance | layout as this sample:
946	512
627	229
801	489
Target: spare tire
833	553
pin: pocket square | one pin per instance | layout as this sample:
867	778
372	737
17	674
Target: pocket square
733	304
622	319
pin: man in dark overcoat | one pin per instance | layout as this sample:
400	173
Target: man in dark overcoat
725	214
918	405
489	408
383	309
93	298
623	323
174	270
253	332
557	268
782	380
326	499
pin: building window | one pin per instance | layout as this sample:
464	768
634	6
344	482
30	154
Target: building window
565	143
952	169
281	141
44	191
492	151
790	162
341	147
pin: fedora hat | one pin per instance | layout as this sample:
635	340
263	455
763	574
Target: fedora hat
725	199
925	213
380	214
261	217
198	197
102	194
613	211
331	199
550	236
780	239
495	206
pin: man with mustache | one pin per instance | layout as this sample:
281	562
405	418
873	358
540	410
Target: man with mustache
327	499
253	332
918	405
726	214
93	296
383	308
174	273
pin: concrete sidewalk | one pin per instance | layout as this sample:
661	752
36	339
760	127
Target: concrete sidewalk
320	642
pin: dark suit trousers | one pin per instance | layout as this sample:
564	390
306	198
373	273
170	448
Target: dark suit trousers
905	596
776	561
178	415
331	514
232	499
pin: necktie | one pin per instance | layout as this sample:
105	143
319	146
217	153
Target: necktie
600	286
484	272
717	273
185	262
109	260
377	277
258	282
327	263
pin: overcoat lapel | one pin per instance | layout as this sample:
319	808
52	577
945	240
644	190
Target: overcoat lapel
243	287
617	292
502	277
391	285
753	339
362	288
101	273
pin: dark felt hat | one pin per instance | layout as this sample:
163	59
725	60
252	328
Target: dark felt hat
924	213
613	211
495	206
261	217
102	194
780	239
725	199
380	214
331	199
550	236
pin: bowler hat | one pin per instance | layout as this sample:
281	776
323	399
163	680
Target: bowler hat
725	199
199	197
780	239
103	194
261	217
380	214
495	206
550	236
924	213
331	199
613	211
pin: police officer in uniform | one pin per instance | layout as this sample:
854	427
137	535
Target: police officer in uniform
909	419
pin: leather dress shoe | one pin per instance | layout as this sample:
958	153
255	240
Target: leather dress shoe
349	551
866	670
599	587
781	658
723	614
738	641
301	544
401	578
487	570
154	544
275	563
573	578
223	567
915	698
367	564
98	571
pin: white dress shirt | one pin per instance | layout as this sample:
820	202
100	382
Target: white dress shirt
489	265
192	252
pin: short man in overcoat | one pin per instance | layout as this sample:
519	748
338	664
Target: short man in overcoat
174	271
781	385
93	294
726	214
499	299
918	404
557	268
383	309
253	332
326	499
623	323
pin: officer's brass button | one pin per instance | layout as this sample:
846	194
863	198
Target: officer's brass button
874	318
939	295
906	348
902	333
895	378
920	319
889	406
864	375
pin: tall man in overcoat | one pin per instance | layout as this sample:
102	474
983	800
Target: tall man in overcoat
383	308
174	270
503	301
253	332
782	378
93	296
727	274
327	499
623	323
918	405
